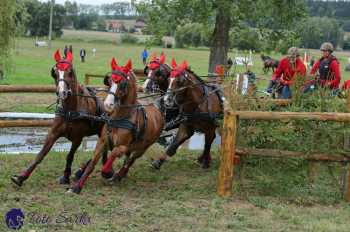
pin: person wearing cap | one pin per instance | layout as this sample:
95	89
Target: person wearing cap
326	69
287	70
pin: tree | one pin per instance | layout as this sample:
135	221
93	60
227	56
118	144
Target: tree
317	30
71	13
7	32
163	16
39	15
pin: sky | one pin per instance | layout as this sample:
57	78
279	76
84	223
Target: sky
91	2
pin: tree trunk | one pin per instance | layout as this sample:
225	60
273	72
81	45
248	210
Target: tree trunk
220	44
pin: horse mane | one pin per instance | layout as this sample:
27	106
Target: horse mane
196	76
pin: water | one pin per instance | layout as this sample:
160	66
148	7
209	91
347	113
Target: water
31	140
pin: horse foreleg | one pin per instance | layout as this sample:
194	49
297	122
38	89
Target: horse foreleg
69	160
51	138
82	168
116	153
77	187
182	135
205	158
129	161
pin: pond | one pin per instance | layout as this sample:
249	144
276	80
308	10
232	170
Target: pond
30	140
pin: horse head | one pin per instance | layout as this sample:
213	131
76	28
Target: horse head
179	79
158	73
64	75
119	84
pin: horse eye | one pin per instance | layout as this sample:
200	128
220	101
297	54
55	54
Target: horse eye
53	73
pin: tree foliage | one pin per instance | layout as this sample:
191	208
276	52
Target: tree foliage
192	35
7	31
317	30
164	16
39	16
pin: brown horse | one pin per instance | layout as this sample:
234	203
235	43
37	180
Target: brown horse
269	63
158	74
73	118
130	129
199	106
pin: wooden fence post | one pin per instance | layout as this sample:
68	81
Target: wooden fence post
87	79
228	150
347	196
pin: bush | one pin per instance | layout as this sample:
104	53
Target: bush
127	38
346	44
305	136
287	39
314	31
191	34
245	39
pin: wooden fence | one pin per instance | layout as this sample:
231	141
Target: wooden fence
138	72
229	148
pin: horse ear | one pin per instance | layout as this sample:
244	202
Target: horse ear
173	63
162	58
114	64
57	55
184	65
128	65
69	56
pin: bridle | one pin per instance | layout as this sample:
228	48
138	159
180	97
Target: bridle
67	83
123	84
177	91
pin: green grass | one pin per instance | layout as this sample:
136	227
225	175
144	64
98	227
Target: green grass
32	65
270	195
180	197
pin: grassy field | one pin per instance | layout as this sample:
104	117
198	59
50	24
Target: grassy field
32	65
269	195
272	195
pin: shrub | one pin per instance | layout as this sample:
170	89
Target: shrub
245	39
191	34
127	38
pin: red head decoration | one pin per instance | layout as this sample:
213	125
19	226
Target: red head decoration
177	70
120	73
63	64
156	62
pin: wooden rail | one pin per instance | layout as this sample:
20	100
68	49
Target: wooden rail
138	72
27	88
229	151
31	88
26	123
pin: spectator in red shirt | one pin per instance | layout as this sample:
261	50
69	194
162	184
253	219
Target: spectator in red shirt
288	69
326	69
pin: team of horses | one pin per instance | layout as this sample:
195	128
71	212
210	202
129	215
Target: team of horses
125	127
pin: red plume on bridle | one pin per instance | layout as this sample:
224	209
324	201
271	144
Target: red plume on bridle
120	73
156	62
177	70
63	64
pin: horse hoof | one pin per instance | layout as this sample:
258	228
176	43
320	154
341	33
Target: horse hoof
156	164
75	189
107	175
115	178
18	180
63	180
78	174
